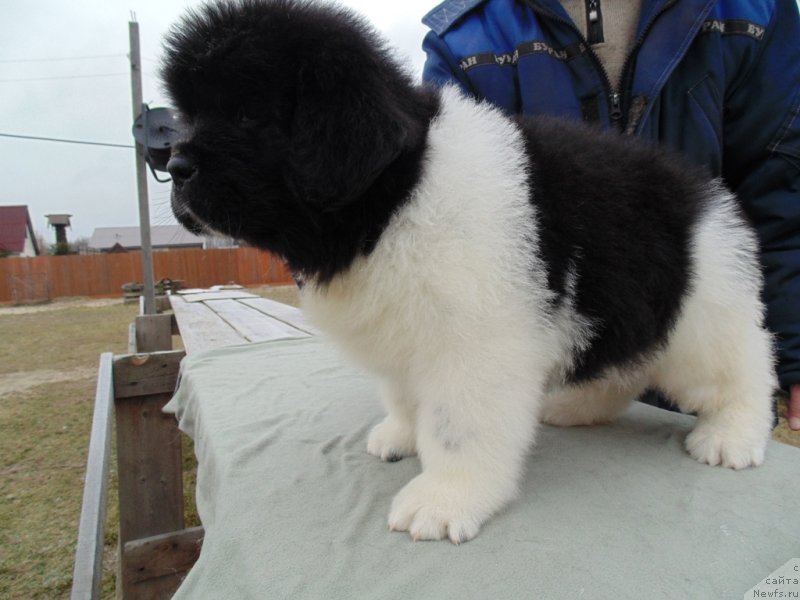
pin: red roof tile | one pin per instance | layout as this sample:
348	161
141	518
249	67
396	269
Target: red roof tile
14	223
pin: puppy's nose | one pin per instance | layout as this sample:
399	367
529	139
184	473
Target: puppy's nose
181	169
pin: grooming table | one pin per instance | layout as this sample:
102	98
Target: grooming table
294	507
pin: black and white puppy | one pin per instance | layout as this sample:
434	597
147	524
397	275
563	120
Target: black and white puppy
493	271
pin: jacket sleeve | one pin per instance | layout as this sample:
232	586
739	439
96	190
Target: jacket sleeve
761	162
441	67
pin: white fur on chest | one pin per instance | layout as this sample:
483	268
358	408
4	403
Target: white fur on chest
456	264
447	310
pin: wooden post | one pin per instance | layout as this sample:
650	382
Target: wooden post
150	482
153	333
141	175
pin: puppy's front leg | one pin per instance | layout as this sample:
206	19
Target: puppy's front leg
395	437
473	429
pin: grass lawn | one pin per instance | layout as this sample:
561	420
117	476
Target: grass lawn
48	363
48	368
45	416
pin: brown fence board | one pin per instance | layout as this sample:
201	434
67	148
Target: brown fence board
104	274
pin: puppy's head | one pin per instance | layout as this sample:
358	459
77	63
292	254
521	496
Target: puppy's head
291	110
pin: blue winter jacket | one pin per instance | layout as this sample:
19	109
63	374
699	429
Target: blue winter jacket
718	80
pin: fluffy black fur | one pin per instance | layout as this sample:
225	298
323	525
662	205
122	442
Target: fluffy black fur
303	137
619	213
302	133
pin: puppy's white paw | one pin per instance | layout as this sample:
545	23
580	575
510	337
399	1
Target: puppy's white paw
390	440
714	444
433	509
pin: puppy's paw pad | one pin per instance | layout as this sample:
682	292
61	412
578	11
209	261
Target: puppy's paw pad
431	510
714	445
390	440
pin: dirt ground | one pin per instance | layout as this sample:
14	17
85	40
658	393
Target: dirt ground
14	383
22	381
59	304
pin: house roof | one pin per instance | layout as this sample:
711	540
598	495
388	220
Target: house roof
15	222
161	236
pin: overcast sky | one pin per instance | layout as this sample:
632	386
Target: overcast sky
90	99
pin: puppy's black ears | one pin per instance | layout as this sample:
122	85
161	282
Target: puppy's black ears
346	130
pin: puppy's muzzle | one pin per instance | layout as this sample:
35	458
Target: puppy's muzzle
182	169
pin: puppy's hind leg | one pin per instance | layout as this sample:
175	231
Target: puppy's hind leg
730	390
395	437
719	359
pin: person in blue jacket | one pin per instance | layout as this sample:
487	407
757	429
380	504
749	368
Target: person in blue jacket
718	80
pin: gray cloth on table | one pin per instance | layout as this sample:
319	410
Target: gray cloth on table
294	507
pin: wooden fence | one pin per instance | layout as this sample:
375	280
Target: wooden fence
45	277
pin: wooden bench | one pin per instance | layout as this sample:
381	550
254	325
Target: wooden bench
213	319
155	548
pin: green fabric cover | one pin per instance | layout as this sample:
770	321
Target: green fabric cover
294	507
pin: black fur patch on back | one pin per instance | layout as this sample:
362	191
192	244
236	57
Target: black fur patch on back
617	215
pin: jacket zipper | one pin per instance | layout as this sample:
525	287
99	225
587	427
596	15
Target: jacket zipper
627	72
594	22
615	99
615	104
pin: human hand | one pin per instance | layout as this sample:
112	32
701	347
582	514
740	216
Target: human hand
793	414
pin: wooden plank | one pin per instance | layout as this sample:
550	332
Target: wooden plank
162	303
146	374
154	567
251	324
174	324
216	295
283	312
201	328
88	571
132	338
153	333
149	468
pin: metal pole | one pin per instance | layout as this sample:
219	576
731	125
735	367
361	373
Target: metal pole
141	175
